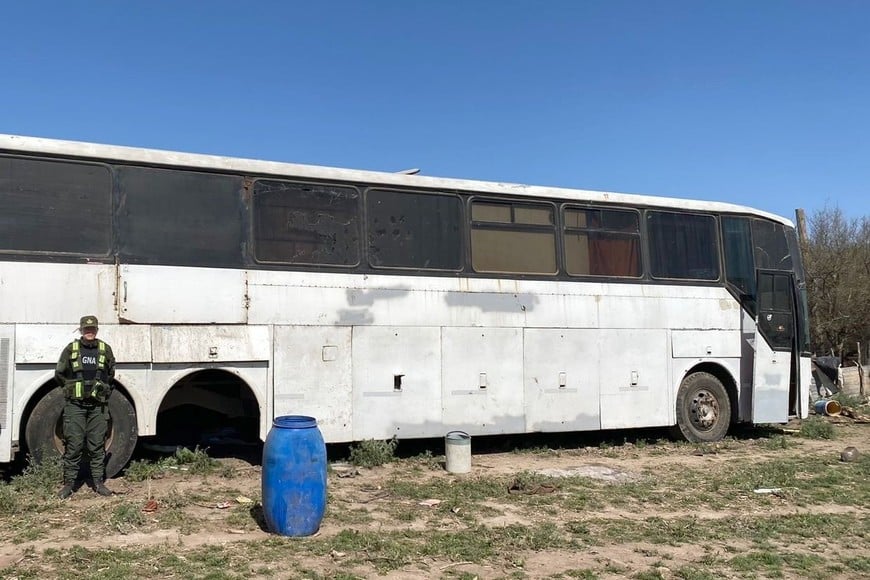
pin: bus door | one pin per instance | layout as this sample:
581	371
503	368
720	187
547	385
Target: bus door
775	347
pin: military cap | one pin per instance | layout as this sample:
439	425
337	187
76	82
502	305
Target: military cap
88	322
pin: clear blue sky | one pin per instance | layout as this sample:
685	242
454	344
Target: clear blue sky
756	102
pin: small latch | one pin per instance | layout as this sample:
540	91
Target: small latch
709	350
563	380
397	382
212	352
482	382
633	378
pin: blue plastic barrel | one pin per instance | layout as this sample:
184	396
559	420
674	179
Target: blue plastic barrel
294	476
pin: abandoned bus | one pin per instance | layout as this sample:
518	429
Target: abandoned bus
386	304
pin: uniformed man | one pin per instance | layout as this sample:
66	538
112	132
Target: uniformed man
86	372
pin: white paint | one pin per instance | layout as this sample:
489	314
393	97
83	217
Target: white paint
171	294
380	410
307	383
705	343
551	355
495	407
770	383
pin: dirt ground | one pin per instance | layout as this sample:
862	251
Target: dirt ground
182	513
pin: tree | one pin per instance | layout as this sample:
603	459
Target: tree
837	261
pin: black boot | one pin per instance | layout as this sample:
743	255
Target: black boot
100	488
65	491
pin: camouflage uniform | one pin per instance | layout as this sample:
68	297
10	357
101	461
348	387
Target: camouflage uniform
85	371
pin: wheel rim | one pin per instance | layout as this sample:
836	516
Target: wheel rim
704	411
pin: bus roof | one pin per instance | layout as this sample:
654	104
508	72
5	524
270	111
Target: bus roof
99	152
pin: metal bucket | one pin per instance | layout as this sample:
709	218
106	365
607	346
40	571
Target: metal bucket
457	448
827	407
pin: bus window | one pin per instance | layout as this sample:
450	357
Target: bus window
776	316
413	230
771	248
180	217
512	237
55	206
602	242
683	246
739	265
304	223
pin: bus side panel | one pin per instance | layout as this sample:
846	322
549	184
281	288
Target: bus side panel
635	390
7	347
312	377
561	380
166	295
396	382
61	293
482	372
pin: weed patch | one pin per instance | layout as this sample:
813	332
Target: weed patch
373	452
817	428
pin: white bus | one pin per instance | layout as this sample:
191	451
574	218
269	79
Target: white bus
385	304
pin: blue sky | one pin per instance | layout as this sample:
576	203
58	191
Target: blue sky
762	103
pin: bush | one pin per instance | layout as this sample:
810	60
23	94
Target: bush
196	462
142	470
40	478
816	428
852	401
372	452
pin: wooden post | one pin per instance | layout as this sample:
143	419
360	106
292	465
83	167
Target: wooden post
801	219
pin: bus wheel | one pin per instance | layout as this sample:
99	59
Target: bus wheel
44	431
703	409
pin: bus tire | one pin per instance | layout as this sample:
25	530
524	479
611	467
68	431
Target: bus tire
44	430
703	409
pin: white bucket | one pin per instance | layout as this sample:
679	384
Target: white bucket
457	448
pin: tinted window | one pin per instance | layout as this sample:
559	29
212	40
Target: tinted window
55	206
511	237
776	309
304	223
600	242
180	217
739	265
683	246
771	248
413	230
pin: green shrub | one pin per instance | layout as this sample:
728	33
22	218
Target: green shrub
194	461
197	461
141	470
852	401
127	516
40	478
817	428
8	500
373	452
